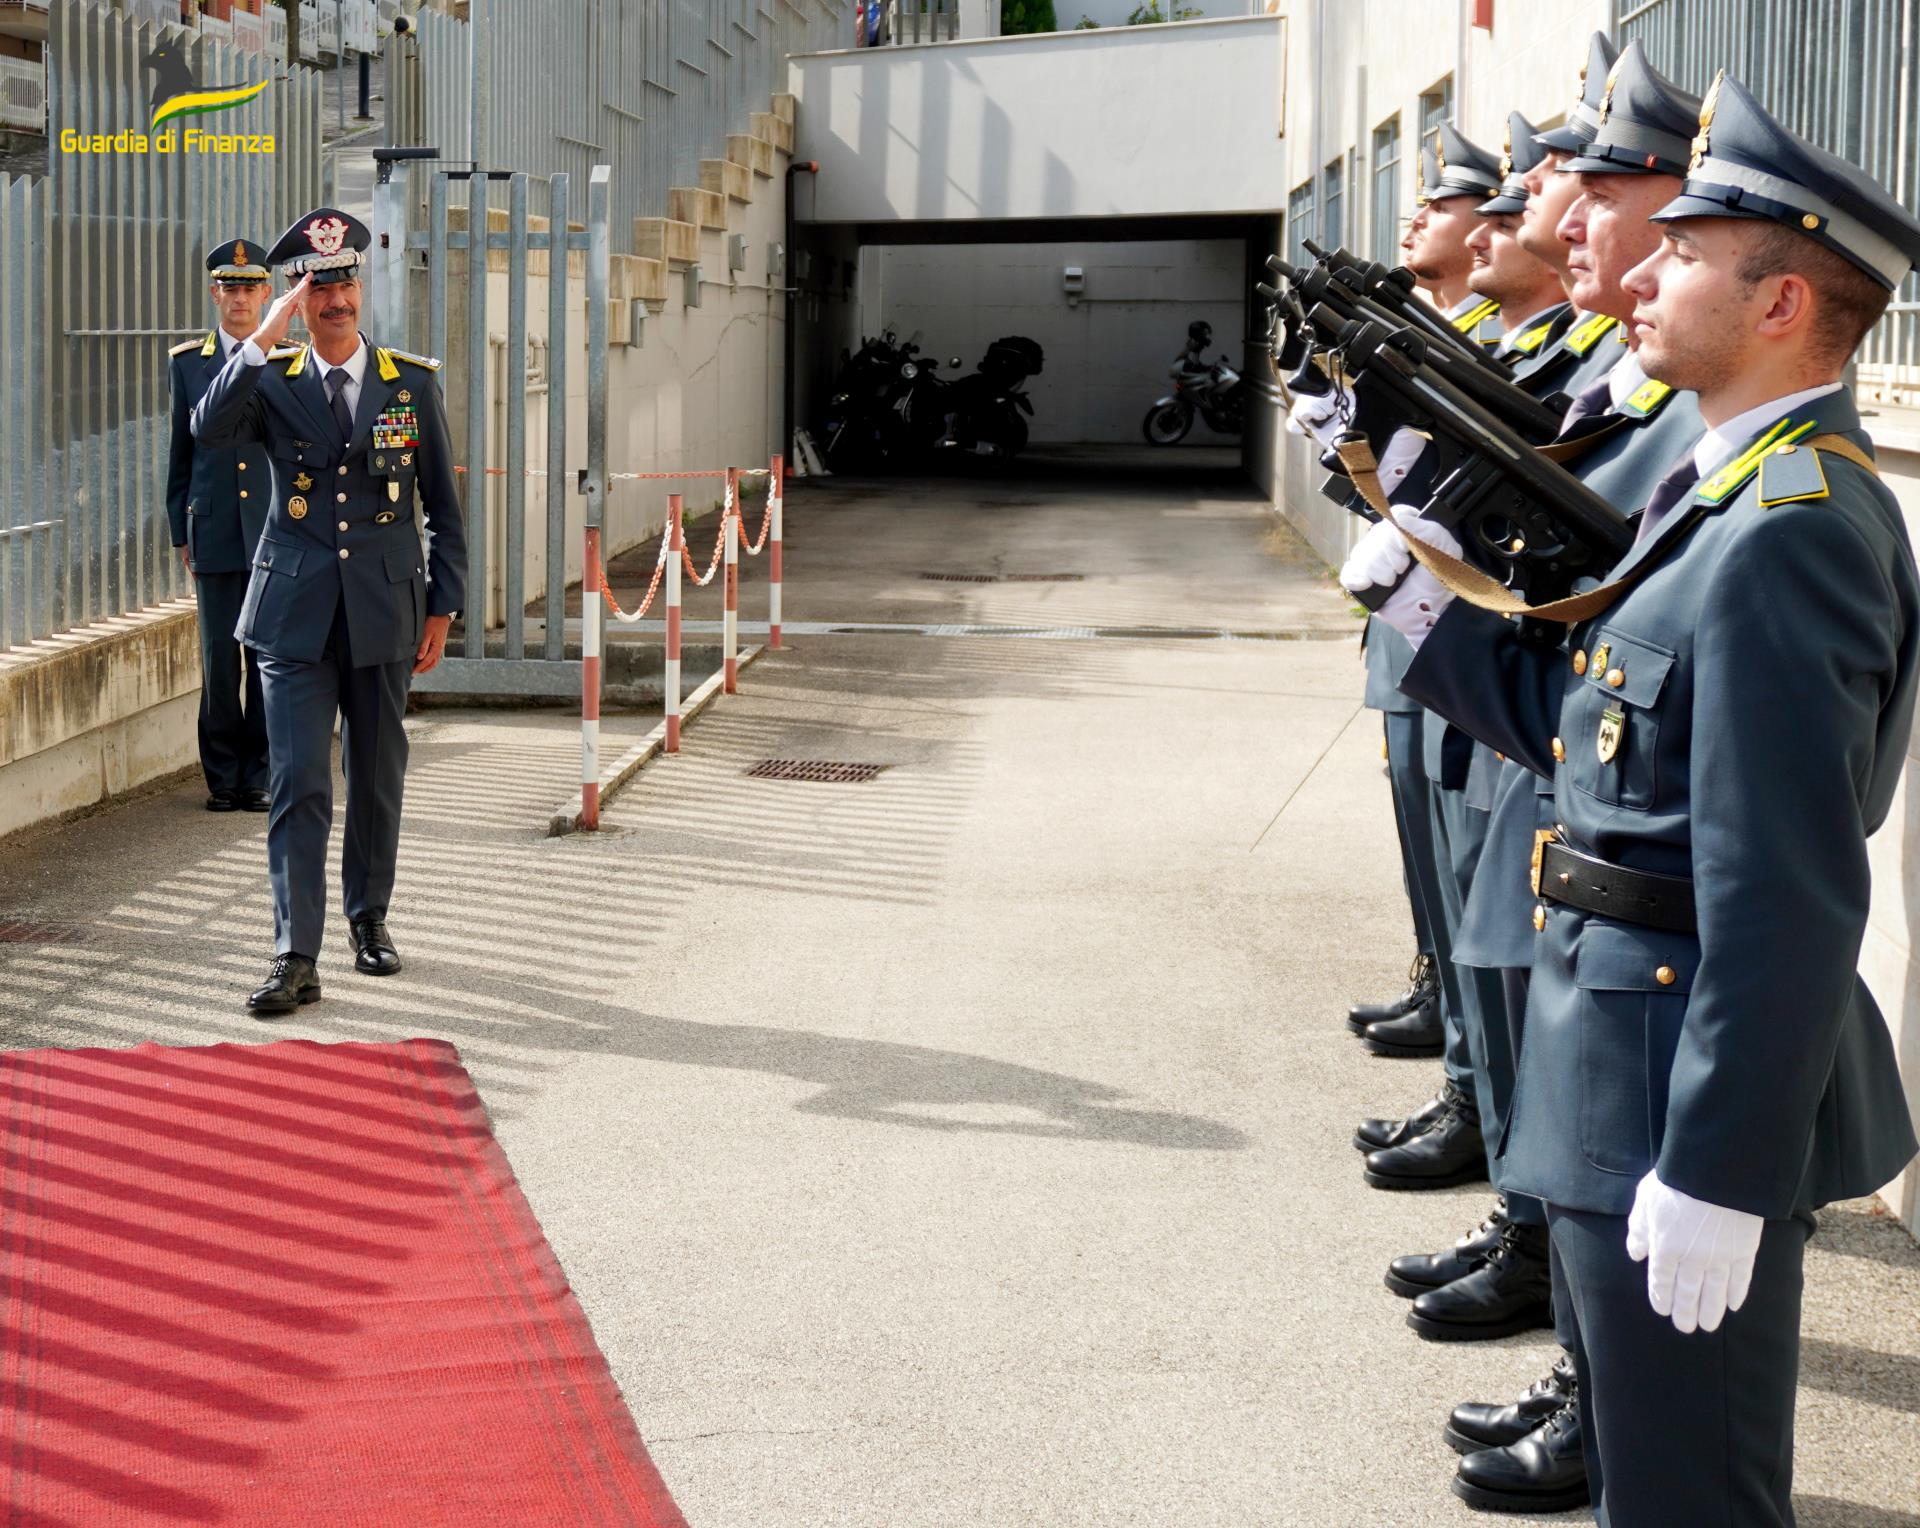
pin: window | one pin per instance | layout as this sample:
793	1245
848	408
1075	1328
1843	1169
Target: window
1332	202
1436	106
1386	192
1300	223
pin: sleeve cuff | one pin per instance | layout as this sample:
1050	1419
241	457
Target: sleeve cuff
251	353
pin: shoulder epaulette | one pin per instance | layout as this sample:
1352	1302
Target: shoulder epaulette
1646	400
1478	314
418	360
1583	336
1792	474
185	345
297	354
1734	475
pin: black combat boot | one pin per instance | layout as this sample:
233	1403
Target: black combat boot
1543	1472
1411	1036
1423	991
1447	1152
1475	1425
1511	1291
1379	1134
1416	1273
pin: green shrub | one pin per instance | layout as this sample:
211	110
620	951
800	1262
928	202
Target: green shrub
1018	16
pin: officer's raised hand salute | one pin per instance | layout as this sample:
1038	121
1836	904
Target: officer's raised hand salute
342	607
1725	726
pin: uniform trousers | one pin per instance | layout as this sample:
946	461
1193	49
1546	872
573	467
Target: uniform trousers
1412	816
302	700
1683	1429
1469	994
233	723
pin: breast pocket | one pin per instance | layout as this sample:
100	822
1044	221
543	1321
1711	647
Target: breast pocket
1633	985
1612	721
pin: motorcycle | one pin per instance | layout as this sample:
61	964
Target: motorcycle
981	414
865	427
1215	393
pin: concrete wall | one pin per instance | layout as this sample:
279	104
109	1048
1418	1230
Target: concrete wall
1107	355
1126	122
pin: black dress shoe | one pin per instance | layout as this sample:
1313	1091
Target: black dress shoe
1419	1033
1423	986
1447	1152
373	951
1475	1425
1544	1472
1511	1291
1379	1134
223	801
1416	1273
291	984
253	801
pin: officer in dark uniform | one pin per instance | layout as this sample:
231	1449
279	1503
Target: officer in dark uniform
340	609
216	505
1724	728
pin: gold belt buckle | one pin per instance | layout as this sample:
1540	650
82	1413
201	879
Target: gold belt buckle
1541	838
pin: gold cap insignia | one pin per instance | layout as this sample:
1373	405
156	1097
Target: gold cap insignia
240	253
1606	100
297	508
303	482
1706	122
1506	153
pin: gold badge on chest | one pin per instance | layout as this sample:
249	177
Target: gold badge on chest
1613	733
1600	655
303	482
296	508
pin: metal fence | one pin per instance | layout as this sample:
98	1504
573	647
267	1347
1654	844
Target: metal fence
650	90
1839	72
101	268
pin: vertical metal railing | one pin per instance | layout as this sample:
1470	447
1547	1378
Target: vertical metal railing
1841	73
100	267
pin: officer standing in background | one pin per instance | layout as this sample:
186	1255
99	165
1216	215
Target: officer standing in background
216	506
1724	727
339	608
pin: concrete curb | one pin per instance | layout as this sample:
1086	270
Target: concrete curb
566	816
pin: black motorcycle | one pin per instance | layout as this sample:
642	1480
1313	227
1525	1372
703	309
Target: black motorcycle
984	413
1213	392
865	426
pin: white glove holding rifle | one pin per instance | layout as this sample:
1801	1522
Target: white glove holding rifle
1382	559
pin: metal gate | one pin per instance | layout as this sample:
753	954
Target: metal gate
414	279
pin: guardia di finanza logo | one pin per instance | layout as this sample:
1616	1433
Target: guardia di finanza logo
176	99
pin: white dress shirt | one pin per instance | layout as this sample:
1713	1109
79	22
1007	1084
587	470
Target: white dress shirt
356	365
1719	445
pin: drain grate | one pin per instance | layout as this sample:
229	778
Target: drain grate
826	771
29	931
1004	578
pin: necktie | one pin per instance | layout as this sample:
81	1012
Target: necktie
1669	491
1596	398
337	380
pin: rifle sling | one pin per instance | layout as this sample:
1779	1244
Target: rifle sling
1461	578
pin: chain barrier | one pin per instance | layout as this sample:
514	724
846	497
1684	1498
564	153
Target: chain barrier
719	548
653	587
754	547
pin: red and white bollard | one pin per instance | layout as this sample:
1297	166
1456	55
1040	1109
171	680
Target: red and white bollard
590	683
773	556
730	619
676	549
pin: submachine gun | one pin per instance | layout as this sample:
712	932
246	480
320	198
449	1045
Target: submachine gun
1521	517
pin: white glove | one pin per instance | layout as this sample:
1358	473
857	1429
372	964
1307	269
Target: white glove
1378	558
1381	556
1699	1256
1402	454
1321	418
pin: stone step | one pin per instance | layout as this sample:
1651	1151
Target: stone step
730	179
785	106
755	153
666	239
703	209
775	130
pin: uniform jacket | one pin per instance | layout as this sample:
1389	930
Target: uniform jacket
216	497
1388	654
1633	447
342	531
1741	716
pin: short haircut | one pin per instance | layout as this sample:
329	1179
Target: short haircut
1848	302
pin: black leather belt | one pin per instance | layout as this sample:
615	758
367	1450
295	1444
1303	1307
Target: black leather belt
1579	880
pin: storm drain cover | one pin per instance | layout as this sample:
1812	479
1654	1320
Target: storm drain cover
1004	578
827	771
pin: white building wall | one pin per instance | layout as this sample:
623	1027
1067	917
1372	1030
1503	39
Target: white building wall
1107	355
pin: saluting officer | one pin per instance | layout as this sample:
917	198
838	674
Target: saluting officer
339	610
1725	725
216	506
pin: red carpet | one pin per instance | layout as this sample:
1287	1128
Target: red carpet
289	1284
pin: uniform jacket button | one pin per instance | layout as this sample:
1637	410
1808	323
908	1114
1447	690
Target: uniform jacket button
1616	677
343	472
241	465
1666	976
341	497
1559	751
243	493
343	551
1580	663
343	525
